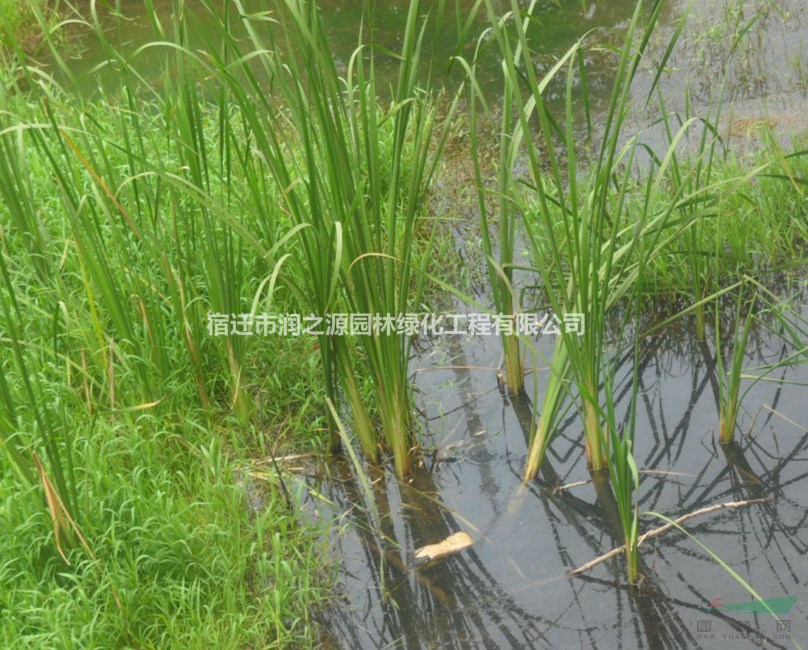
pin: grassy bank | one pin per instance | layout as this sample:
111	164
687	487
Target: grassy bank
19	25
126	430
108	377
130	428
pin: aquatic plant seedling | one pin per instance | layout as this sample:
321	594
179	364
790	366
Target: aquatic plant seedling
625	478
729	379
625	481
585	238
731	374
501	270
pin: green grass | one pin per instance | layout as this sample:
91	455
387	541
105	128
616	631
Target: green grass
500	261
583	237
124	222
758	229
98	377
176	539
625	481
755	307
729	375
596	229
353	175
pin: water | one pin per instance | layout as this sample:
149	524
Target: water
510	588
557	28
766	70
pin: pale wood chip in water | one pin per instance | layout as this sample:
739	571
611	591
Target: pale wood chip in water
451	544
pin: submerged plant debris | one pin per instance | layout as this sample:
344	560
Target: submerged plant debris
452	544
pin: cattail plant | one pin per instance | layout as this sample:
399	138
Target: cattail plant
501	270
582	231
353	176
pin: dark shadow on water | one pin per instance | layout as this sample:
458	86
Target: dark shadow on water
510	589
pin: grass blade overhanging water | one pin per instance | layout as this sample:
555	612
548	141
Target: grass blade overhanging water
729	378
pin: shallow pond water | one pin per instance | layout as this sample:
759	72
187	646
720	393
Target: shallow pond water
558	26
765	70
510	588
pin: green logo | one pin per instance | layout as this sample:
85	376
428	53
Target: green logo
780	605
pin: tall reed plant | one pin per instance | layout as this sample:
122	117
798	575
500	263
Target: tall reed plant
584	234
499	252
354	177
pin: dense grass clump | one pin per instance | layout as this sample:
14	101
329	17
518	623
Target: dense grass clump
125	428
182	558
127	220
112	401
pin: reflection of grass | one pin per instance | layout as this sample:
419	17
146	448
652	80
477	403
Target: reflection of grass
770	606
788	325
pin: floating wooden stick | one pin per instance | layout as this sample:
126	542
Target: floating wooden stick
658	531
561	488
